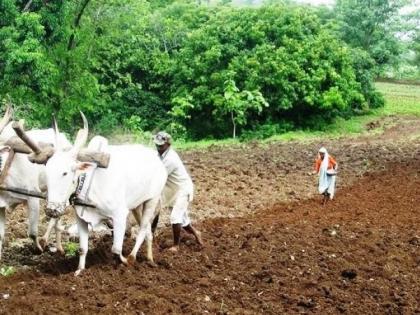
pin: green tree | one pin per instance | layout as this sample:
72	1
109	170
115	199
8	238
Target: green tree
27	73
197	69
238	104
372	26
300	68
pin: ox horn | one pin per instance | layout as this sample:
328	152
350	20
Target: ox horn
18	128
6	117
40	154
82	135
56	133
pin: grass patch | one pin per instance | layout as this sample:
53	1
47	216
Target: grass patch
204	144
7	271
71	249
400	99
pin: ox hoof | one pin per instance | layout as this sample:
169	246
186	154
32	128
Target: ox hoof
61	251
42	244
152	264
78	272
131	259
39	248
124	260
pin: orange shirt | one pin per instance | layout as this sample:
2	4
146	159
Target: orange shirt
331	163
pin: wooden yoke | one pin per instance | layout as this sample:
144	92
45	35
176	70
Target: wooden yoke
41	152
100	158
18	128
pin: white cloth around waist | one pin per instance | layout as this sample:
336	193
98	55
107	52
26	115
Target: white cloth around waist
171	194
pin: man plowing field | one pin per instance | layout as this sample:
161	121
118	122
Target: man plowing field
178	191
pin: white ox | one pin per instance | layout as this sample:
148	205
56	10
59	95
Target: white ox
134	179
26	175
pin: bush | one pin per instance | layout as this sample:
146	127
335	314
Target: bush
71	249
6	271
301	69
266	130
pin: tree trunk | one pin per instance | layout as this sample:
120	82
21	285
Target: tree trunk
234	124
71	44
76	25
27	6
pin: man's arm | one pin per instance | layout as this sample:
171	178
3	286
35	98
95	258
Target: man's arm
334	163
317	165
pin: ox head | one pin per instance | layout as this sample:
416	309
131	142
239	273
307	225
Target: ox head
62	172
63	165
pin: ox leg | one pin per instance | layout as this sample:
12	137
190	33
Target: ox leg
145	232
58	230
2	225
120	223
137	213
155	223
33	215
156	218
44	239
83	229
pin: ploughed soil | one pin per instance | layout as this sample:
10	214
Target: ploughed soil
270	246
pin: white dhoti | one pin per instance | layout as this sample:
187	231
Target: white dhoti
326	183
179	211
178	202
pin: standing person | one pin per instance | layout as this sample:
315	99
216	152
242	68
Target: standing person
326	168
178	191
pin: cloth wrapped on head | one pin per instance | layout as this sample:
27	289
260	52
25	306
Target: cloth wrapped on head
162	137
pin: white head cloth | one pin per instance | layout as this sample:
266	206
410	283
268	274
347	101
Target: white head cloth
324	163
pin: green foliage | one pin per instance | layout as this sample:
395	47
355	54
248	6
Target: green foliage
197	71
363	64
26	71
181	106
416	49
133	123
266	130
372	26
298	66
7	271
401	99
238	103
71	249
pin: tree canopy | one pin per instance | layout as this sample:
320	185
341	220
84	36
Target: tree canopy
198	70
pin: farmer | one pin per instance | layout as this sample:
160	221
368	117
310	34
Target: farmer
326	168
178	191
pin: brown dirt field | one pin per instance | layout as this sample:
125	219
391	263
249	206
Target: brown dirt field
271	248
